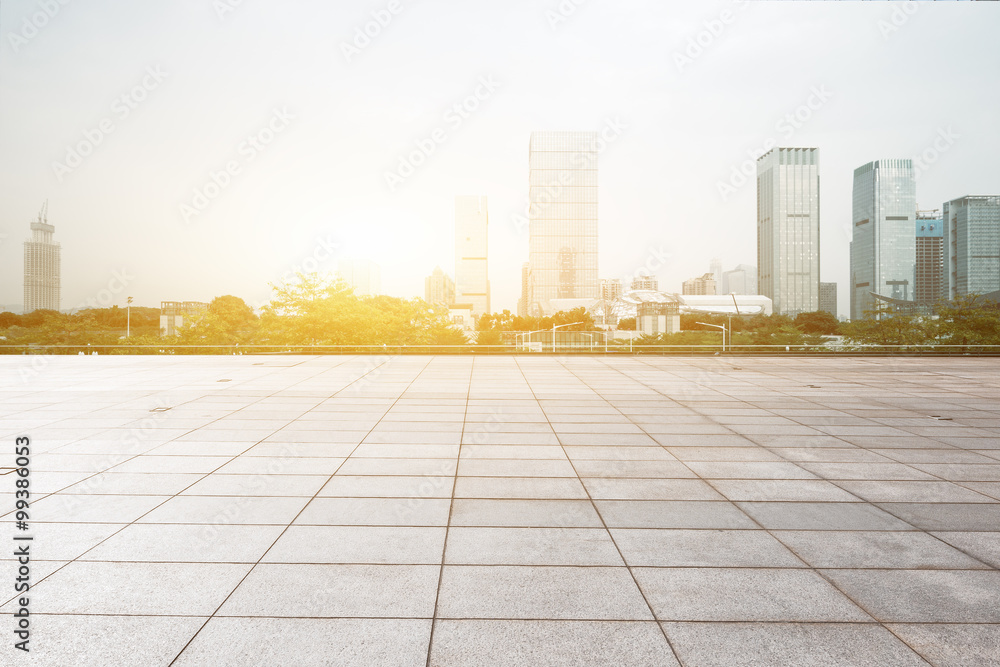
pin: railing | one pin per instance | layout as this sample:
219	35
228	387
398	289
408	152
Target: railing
584	350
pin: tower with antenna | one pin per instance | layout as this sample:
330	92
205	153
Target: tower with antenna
41	265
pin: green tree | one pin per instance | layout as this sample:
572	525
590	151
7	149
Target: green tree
883	326
968	320
817	322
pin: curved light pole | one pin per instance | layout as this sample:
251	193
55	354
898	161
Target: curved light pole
717	326
554	327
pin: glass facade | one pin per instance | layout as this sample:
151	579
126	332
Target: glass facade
788	229
929	269
42	261
472	284
562	248
972	246
883	246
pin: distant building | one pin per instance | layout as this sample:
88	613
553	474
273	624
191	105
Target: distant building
883	245
364	276
972	245
658	318
702	285
611	289
439	288
562	196
828	298
741	280
472	284
929	269
715	268
645	282
788	229
522	303
174	315
41	266
462	316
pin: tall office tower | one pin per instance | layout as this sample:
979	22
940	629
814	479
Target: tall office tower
364	276
562	195
972	245
883	245
929	270
41	266
716	270
645	282
828	298
741	280
439	288
702	285
522	303
472	284
788	229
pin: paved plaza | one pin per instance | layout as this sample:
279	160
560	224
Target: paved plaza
497	510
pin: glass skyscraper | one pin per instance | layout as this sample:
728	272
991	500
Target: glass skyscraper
562	195
472	284
788	229
883	244
41	266
972	245
929	268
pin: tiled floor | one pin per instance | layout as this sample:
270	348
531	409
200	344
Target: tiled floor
507	511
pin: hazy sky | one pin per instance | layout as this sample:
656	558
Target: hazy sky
161	95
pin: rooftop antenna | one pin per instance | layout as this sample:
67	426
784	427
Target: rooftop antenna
43	215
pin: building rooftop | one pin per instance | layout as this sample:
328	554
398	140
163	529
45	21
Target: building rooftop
489	510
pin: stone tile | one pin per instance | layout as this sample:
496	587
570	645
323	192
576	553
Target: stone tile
954	644
257	485
947	516
984	546
102	641
744	594
515	468
702	548
93	508
790	644
511	642
877	471
226	510
310	591
524	513
923	596
519	487
371	486
650	489
342	641
530	546
135	589
610	453
582	593
822	516
874	549
749	470
814	490
186	544
672	514
375	512
915	492
401	545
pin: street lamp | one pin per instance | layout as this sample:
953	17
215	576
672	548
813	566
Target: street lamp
717	326
128	318
554	327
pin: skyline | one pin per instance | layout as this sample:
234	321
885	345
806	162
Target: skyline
682	128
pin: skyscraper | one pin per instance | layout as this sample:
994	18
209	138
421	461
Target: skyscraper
41	266
972	245
562	195
472	284
439	288
788	229
883	244
363	275
716	269
828	298
929	270
741	280
522	303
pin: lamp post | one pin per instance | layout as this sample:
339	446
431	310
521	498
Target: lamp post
128	318
554	327
717	326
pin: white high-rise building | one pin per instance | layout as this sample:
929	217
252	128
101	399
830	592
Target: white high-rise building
562	216
741	280
883	241
472	283
971	246
41	266
788	229
363	275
